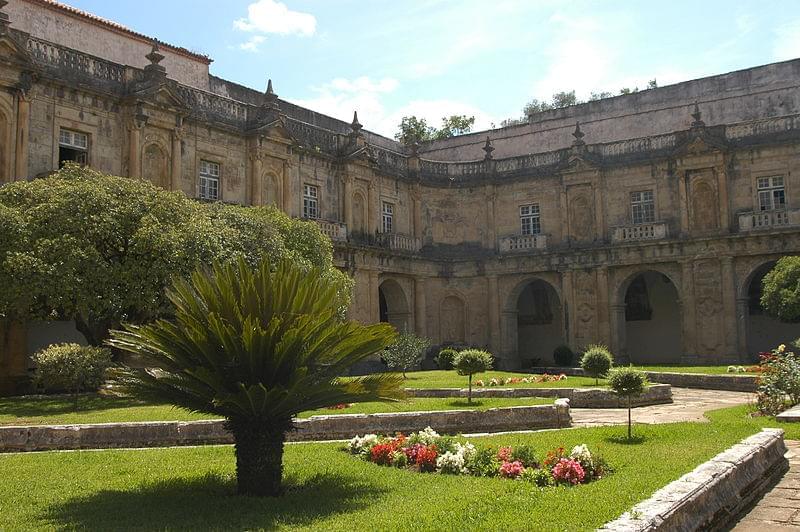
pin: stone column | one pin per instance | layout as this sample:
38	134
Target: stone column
347	218
569	314
742	327
177	135
134	150
564	211
729	306
420	317
684	203
494	313
603	317
491	228
21	145
256	179
724	207
600	226
618	334
374	298
287	188
689	326
372	208
416	198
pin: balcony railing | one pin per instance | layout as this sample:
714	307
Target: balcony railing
522	243
637	232
399	242
333	230
757	221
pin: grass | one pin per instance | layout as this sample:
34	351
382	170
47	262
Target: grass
40	410
451	379
192	488
706	370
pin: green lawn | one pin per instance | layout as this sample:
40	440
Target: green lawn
707	370
102	409
451	379
192	488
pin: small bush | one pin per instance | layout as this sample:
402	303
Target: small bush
446	358
627	382
484	463
596	361
71	368
541	477
406	352
779	383
525	455
470	362
563	356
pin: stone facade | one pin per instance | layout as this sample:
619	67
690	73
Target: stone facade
645	220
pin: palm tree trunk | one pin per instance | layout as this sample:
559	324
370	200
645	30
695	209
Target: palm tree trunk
259	457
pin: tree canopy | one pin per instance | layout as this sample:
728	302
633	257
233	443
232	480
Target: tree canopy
781	290
416	130
100	250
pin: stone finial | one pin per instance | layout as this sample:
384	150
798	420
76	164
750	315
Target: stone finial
270	93
270	97
355	125
578	134
488	149
155	57
697	116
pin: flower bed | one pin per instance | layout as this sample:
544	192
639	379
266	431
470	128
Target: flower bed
428	452
500	381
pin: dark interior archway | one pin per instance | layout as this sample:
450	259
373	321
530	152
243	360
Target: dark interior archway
540	323
764	332
393	305
653	320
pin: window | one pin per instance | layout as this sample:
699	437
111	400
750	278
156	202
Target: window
771	193
72	146
387	213
209	180
310	202
643	208
529	219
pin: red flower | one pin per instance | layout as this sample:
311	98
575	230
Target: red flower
554	456
504	454
568	471
426	458
381	454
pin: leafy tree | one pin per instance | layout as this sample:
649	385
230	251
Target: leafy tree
564	99
406	352
454	125
446	358
594	96
97	249
781	290
472	361
652	84
596	361
257	347
416	130
627	382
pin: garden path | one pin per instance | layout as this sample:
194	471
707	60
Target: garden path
689	405
779	508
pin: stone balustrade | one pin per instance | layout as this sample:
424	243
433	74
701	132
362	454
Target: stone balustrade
333	230
755	221
399	242
638	232
521	243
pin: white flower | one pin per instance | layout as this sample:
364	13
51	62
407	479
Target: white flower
452	463
581	454
360	444
466	451
731	369
428	436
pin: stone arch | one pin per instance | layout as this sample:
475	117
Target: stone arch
359	216
453	319
272	190
155	164
393	305
650	324
539	321
762	331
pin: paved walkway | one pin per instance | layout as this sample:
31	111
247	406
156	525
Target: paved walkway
779	509
689	405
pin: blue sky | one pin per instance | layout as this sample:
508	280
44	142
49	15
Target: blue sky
487	58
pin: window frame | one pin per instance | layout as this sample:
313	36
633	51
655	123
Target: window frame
770	190
81	149
387	215
310	202
645	208
205	178
530	219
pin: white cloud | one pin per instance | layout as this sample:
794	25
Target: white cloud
462	48
340	97
272	17
787	41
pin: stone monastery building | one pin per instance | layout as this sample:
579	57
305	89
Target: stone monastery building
644	221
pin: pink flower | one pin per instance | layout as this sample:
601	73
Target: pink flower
504	454
568	471
511	469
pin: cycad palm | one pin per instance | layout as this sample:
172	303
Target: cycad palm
257	347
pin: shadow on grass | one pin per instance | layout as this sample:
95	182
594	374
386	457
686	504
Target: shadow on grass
54	405
210	502
623	439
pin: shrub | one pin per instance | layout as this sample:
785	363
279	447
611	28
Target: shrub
779	384
470	362
596	361
568	471
525	455
71	368
541	477
446	358
563	356
406	352
627	382
484	463
781	290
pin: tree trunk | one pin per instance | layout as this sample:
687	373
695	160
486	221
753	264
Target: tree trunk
95	331
629	417
469	392
259	456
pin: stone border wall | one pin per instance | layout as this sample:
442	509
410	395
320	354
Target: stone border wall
329	427
656	394
703	381
714	494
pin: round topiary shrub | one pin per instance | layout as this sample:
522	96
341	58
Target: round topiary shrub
470	362
596	361
627	382
563	356
446	358
71	368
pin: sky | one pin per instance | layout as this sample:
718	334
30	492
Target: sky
484	58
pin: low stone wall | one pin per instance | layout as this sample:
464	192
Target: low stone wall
731	383
656	394
333	427
716	492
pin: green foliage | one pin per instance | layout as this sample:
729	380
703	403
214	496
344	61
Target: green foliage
256	346
563	356
413	130
627	382
596	361
446	358
71	368
406	352
472	361
779	381
525	455
484	462
781	290
541	477
100	250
